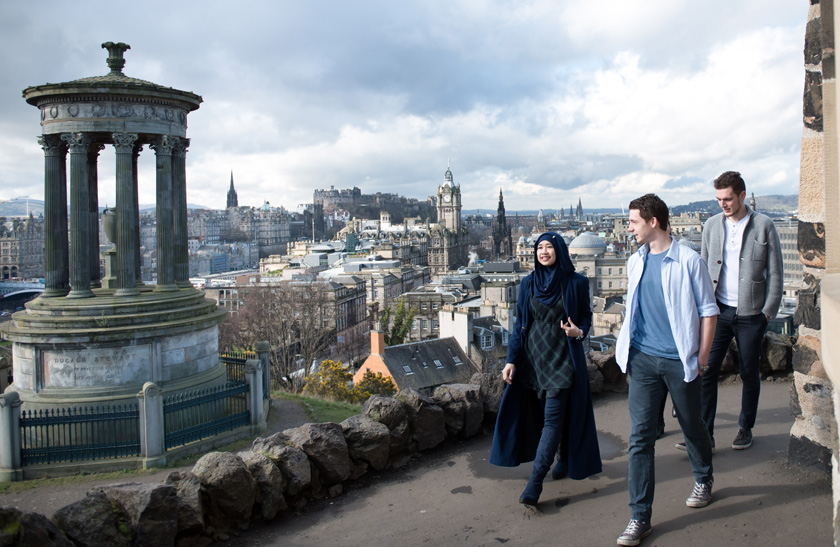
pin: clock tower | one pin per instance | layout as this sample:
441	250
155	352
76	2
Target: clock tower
449	203
448	238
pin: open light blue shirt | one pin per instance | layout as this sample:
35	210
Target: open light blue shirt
689	295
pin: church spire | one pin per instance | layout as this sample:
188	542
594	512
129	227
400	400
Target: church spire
232	198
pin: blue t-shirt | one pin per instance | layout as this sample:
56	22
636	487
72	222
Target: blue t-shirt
653	329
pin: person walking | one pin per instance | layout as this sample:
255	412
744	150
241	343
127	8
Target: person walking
744	255
546	409
664	344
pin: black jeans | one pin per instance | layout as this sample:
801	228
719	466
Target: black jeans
748	332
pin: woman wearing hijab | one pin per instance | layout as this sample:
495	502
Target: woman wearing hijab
547	403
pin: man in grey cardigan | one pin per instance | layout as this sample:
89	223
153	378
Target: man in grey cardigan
742	250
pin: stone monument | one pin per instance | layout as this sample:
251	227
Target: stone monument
88	342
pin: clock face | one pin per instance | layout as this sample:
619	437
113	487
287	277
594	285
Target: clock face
447	198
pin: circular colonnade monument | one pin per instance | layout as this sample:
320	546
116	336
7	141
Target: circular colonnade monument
88	340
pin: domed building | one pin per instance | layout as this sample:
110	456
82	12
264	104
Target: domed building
587	243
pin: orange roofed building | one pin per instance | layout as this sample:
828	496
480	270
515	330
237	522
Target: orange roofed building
421	365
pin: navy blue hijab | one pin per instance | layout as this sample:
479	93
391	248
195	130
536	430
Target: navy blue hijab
549	280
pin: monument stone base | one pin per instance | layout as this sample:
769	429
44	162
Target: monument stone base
102	350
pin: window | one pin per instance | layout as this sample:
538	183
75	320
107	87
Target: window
424	305
457	360
434	305
407	369
505	337
424	324
435	324
425	364
486	341
438	364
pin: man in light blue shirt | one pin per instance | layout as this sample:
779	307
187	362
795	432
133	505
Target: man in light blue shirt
664	344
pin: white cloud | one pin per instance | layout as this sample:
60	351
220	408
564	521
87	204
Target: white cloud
550	100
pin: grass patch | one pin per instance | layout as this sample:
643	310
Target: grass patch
13	487
320	410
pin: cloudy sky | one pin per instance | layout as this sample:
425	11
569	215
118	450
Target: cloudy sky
550	100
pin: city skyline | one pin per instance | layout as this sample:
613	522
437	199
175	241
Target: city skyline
549	101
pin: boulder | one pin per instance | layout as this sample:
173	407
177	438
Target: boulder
269	484
151	511
596	379
229	490
367	440
777	352
94	521
26	528
463	409
293	464
326	448
492	388
605	361
263	444
190	508
428	424
391	413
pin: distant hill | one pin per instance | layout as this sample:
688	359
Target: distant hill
768	204
17	207
776	204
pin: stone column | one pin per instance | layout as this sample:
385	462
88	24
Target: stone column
126	243
179	211
138	259
10	469
152	431
56	270
78	143
93	208
164	218
254	378
263	349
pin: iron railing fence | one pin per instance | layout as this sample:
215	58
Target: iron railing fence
235	364
195	415
72	434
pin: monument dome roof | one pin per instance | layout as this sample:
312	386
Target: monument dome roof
113	83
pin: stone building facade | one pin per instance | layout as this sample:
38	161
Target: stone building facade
22	248
448	240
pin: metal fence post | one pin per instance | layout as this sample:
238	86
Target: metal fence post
152	431
254	377
263	348
10	446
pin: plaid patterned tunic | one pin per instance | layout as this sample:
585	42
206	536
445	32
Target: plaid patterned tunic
548	365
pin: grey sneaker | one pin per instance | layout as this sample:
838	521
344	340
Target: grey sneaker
701	495
743	439
681	446
633	534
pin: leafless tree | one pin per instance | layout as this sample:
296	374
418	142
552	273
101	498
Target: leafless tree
294	318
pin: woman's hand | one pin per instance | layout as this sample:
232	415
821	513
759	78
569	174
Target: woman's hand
507	373
572	330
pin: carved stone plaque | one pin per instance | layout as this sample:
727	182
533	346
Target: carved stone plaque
97	367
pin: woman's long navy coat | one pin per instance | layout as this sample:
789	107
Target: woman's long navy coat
520	419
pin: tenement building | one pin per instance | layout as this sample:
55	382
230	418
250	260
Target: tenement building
22	248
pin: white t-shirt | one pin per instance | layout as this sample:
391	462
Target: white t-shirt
727	290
